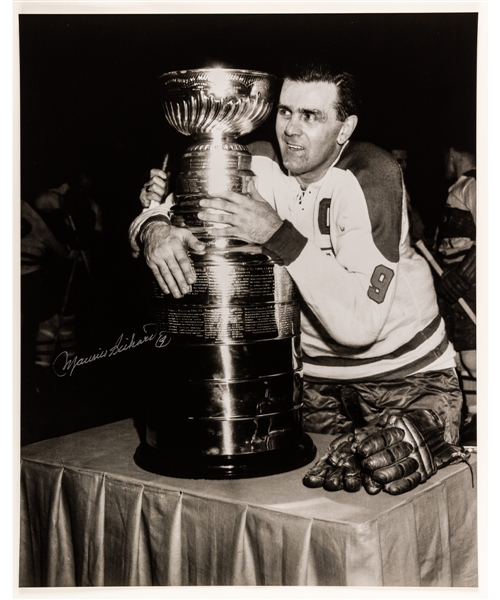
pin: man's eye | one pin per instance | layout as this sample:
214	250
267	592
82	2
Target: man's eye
284	112
309	117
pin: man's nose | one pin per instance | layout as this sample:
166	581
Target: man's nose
293	125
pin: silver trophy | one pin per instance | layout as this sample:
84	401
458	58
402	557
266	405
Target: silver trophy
227	402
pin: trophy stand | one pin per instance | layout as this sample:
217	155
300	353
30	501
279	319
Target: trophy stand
227	403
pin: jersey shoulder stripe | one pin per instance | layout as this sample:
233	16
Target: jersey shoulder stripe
381	181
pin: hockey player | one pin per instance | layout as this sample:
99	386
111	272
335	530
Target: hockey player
456	244
457	247
372	337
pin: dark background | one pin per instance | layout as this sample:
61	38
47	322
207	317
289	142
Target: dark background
89	95
90	103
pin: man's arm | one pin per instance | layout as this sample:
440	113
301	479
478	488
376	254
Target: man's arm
164	246
159	242
350	305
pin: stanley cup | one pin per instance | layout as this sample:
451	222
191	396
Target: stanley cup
225	402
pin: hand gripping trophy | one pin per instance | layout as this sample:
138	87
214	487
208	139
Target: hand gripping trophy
227	404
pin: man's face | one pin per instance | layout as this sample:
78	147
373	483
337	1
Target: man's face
307	128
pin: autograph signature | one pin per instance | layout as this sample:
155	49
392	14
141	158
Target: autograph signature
63	365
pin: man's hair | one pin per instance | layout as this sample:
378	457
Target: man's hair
347	87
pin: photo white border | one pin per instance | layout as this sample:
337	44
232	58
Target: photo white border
488	52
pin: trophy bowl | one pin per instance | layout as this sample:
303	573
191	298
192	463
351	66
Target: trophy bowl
216	102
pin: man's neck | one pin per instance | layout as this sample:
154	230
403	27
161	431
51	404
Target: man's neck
306	179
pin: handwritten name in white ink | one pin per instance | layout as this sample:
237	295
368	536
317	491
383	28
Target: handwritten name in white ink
64	365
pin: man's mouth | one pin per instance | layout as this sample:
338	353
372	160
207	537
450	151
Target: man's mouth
294	147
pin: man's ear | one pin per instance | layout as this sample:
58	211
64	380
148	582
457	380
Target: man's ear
348	126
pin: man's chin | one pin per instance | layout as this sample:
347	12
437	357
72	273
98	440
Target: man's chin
295	167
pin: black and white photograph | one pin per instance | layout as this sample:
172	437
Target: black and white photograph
248	311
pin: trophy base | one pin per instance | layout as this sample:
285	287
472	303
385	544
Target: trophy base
241	466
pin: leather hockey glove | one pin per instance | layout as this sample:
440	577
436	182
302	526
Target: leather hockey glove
406	451
456	281
338	469
394	454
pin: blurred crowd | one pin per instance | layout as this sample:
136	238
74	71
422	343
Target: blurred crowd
60	239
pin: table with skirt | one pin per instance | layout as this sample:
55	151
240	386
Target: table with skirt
89	516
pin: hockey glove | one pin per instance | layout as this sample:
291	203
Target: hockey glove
338	469
394	454
406	452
